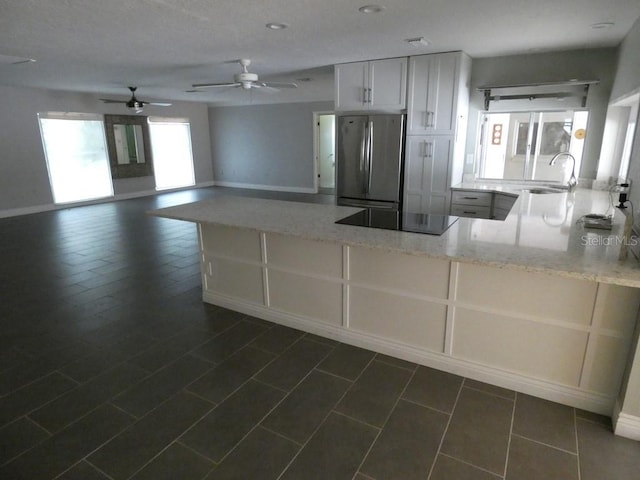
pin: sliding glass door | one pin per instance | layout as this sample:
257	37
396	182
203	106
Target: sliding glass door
172	156
76	155
520	145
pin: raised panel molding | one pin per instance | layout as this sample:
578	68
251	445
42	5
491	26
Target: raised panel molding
312	298
297	254
237	279
409	320
459	317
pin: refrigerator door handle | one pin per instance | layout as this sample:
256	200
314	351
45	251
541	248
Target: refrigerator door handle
363	156
369	155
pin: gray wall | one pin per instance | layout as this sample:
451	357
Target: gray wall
587	64
628	81
264	145
628	71
24	182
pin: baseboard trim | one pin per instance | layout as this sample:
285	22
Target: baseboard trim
625	425
590	401
15	212
274	188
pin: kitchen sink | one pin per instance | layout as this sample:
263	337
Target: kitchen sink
541	191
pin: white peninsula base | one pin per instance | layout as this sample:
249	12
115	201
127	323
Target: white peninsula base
556	337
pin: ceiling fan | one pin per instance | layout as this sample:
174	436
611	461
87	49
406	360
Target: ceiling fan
247	80
133	103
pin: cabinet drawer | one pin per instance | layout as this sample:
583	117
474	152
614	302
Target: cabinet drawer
471	211
469	197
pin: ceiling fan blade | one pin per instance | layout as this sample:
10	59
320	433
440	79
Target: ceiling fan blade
263	87
108	100
158	104
280	84
216	85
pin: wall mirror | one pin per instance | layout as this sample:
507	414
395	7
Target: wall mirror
128	145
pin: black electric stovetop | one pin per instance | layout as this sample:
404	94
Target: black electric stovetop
428	223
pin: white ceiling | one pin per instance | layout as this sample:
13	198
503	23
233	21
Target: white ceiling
163	46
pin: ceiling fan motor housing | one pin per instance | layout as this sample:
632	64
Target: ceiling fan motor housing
246	79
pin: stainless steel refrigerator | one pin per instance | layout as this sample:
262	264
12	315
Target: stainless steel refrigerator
369	160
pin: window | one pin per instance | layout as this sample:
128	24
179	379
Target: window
171	149
76	155
520	145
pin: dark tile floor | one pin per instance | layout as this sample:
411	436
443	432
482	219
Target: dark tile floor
111	367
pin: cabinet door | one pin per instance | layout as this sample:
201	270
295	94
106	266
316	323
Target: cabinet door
432	94
427	174
388	84
351	86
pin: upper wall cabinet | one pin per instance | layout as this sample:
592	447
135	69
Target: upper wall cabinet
434	93
375	85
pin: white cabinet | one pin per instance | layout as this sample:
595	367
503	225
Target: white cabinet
427	170
437	109
432	94
375	85
471	319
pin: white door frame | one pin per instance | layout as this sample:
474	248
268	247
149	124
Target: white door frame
316	146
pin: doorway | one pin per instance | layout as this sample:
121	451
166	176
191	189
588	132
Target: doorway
325	158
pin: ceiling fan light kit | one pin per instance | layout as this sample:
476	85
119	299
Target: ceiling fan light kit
133	104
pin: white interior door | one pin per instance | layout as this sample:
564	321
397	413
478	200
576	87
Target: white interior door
326	151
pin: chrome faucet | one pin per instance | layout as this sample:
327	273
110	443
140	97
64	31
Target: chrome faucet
573	182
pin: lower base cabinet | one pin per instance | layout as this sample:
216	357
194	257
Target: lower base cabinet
480	204
559	338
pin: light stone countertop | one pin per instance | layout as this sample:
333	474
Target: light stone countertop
540	234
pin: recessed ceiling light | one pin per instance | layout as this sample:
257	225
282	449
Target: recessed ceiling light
276	26
371	9
602	25
418	42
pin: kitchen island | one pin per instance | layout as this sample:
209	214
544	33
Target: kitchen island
535	302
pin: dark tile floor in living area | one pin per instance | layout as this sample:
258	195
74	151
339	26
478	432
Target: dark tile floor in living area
111	367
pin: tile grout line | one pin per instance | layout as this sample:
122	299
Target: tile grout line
533	440
334	375
281	435
446	428
286	392
332	410
97	468
384	424
513	417
425	406
476	467
490	393
78	463
575	428
8	461
393	364
170	443
164	449
29	384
